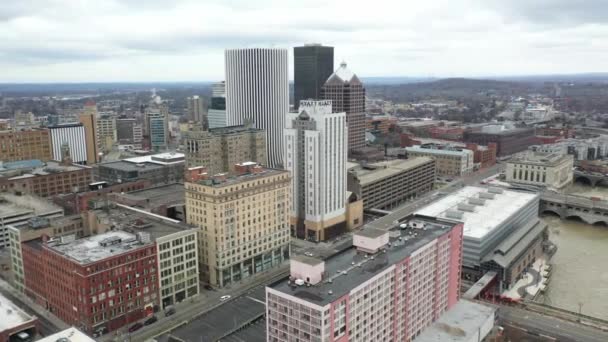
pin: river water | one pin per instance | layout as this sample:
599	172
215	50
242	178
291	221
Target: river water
580	265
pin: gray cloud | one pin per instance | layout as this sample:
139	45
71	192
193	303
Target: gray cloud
184	39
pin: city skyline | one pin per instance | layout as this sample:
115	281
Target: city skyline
431	39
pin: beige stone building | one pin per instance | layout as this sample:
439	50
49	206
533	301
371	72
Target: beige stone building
450	161
243	221
218	149
543	169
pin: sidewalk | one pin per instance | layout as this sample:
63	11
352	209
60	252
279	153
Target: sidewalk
39	310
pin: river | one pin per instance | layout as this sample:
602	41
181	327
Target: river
580	271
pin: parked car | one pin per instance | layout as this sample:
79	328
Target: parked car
136	327
208	287
225	298
151	320
169	311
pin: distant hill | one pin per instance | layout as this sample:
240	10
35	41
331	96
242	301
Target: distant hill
41	89
395	80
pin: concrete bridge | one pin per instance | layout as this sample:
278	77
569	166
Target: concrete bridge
574	207
592	179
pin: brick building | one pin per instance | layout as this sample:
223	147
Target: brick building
507	141
25	144
483	156
49	179
105	281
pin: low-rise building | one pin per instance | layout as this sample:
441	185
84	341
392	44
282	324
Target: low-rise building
387	184
25	144
243	221
549	170
581	149
383	124
176	244
508	141
449	160
68	335
483	156
218	149
467	321
16	324
102	282
502	232
46	179
18	210
390	286
163	168
164	200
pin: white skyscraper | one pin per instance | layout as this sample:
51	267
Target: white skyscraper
257	90
315	153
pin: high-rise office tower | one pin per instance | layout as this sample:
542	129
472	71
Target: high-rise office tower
312	66
74	135
315	153
156	124
196	111
257	90
106	131
346	91
217	111
88	119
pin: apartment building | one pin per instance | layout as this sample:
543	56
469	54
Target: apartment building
385	185
388	287
105	281
25	145
34	228
219	149
176	243
549	170
243	221
46	179
449	160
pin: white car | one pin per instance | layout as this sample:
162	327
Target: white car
224	298
309	254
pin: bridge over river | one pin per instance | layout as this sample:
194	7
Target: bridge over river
588	210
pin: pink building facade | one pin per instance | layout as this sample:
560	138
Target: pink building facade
391	295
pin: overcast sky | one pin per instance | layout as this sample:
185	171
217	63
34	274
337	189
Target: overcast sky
183	40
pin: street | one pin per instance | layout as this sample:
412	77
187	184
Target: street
549	326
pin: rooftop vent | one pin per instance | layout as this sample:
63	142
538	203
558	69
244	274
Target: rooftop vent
476	201
494	190
466	207
486	195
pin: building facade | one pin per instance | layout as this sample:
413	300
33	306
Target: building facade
347	94
384	289
25	144
217	110
265	100
507	142
243	221
104	281
219	149
88	119
48	179
129	132
162	168
312	66
72	135
553	171
449	161
106	132
315	154
195	107
385	185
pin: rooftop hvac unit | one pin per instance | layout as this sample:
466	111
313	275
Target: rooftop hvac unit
67	238
494	190
486	195
299	282
477	201
466	207
454	214
143	237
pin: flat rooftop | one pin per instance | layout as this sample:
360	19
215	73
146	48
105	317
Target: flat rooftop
70	335
479	219
32	168
437	151
98	247
350	268
12	206
12	315
374	172
167	158
169	194
461	323
133	220
539	158
246	177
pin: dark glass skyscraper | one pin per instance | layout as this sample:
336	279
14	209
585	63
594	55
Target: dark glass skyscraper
312	66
